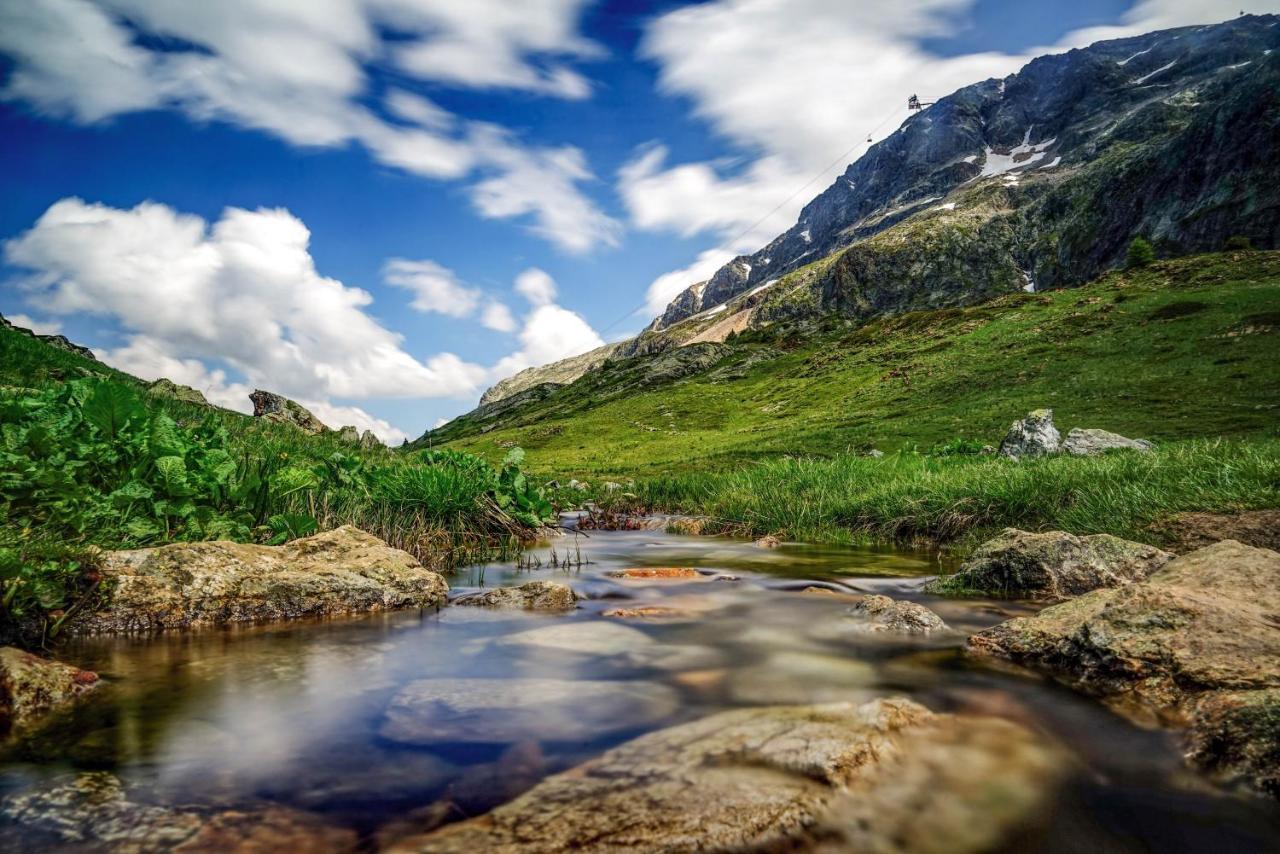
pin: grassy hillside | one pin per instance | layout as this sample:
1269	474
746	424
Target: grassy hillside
1178	350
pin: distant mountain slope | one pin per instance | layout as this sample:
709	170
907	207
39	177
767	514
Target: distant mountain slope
1036	181
1182	349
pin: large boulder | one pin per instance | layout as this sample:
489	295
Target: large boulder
30	686
1196	644
1084	442
369	441
202	584
1051	565
530	596
93	811
282	410
168	388
504	711
1033	436
349	434
887	775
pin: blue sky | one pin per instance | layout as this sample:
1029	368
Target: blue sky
380	207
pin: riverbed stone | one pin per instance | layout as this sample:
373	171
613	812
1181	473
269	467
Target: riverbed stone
93	811
1051	565
658	573
31	686
897	616
1193	645
1088	442
1033	436
887	775
205	584
612	643
505	711
530	596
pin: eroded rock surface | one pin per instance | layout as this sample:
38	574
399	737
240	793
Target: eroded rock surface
30	686
1197	643
882	614
884	776
503	711
93	812
1190	531
191	584
1085	442
530	596
1033	436
275	407
1050	565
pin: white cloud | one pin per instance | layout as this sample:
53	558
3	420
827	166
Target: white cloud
498	317
435	288
550	332
299	72
668	286
243	292
39	327
793	83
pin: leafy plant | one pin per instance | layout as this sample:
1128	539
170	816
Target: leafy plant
1140	254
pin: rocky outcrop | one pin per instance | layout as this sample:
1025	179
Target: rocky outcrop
93	811
560	373
505	711
1194	645
882	614
369	441
282	410
1088	442
885	776
205	584
1051	565
1033	436
59	341
31	686
349	433
1187	532
530	596
185	393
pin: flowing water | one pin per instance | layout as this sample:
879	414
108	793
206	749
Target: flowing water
307	716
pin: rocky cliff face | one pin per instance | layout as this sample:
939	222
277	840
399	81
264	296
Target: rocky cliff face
564	371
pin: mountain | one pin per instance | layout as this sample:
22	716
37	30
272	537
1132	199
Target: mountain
1035	182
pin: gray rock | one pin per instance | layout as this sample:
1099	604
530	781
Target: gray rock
1033	436
875	453
882	614
581	486
30	686
503	711
1088	442
203	584
349	434
885	776
185	393
1051	565
282	410
611	486
1196	642
530	596
369	441
614	644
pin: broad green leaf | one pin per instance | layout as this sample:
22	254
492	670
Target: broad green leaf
111	407
172	473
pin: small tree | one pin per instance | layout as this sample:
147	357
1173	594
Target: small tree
1239	243
1141	253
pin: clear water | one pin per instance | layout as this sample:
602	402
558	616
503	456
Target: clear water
296	714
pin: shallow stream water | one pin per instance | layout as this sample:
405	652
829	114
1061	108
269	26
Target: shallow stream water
313	716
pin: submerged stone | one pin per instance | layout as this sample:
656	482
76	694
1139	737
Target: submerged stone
530	596
882	614
886	775
504	711
658	573
30	686
203	584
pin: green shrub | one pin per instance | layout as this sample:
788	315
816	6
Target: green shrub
1238	243
1140	254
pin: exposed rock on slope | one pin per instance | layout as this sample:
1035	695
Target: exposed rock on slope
274	407
59	341
1195	644
1051	565
205	584
185	393
562	372
888	775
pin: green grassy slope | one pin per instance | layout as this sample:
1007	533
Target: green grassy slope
1181	349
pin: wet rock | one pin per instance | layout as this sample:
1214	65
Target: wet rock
603	639
185	393
767	542
1051	565
882	614
193	584
802	676
883	776
1088	442
282	410
658	573
530	596
502	711
30	686
1194	644
648	612
1033	436
1190	531
93	811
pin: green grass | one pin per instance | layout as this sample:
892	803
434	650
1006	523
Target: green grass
1177	350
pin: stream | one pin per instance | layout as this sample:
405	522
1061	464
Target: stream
312	716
